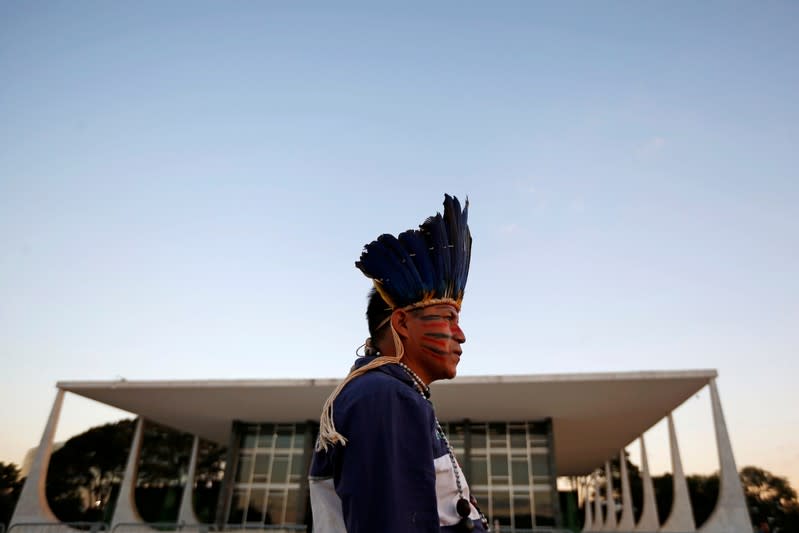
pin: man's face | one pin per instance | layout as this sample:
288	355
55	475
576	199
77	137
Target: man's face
433	344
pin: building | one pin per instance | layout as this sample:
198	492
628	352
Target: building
514	436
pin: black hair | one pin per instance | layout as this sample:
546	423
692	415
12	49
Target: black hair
376	312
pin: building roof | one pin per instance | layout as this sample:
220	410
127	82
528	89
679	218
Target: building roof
593	415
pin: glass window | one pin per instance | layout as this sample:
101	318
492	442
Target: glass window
518	439
261	473
299	438
479	471
280	469
249	437
522	516
244	468
255	506
455	434
540	462
292	502
478	436
497	436
500	507
237	506
284	437
483	501
519	473
265	436
544	515
297	468
262	487
274	508
499	466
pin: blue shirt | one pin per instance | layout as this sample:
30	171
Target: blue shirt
394	474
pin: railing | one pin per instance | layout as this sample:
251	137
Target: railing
146	527
540	529
163	526
139	527
266	527
93	527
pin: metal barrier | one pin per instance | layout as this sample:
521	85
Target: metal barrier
148	527
542	529
205	528
281	528
164	526
45	527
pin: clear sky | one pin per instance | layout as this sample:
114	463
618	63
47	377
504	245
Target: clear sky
185	186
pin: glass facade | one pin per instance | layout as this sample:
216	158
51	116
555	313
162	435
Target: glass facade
508	466
271	466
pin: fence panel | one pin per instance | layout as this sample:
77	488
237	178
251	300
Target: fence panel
57	527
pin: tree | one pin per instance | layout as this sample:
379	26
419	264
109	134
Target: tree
770	499
10	487
84	475
703	491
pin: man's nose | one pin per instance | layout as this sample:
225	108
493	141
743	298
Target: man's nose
458	335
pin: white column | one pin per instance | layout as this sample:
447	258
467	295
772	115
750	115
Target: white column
125	511
610	501
730	513
32	504
186	514
627	520
599	520
588	524
649	514
681	518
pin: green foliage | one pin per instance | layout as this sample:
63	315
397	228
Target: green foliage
10	487
703	491
84	475
770	498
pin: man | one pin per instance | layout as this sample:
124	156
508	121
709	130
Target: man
382	462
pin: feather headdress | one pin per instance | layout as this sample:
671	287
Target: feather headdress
422	266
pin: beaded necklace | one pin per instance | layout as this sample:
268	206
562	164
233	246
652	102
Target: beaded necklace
462	506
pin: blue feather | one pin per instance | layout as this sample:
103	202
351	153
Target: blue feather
414	242
429	263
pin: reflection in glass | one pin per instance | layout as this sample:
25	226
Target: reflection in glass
255	506
284	437
244	468
297	468
479	472
261	471
499	467
500	508
519	475
544	514
274	508
237	505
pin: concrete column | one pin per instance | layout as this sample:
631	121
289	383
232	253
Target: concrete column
599	520
125	511
610	501
32	504
730	514
588	524
186	514
627	520
649	514
681	518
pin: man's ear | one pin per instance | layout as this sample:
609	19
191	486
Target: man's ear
399	321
